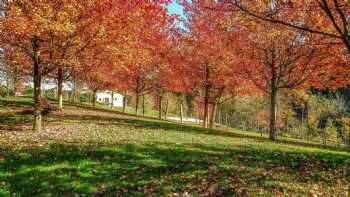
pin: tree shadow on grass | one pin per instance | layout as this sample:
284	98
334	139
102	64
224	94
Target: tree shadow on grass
20	102
134	170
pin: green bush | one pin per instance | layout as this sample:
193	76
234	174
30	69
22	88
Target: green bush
3	91
84	98
29	90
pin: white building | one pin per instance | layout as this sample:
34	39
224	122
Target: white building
106	98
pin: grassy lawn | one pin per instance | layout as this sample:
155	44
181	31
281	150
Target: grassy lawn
85	152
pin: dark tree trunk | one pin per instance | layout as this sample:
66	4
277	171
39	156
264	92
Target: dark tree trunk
60	87
125	101
112	99
137	103
143	105
190	105
37	85
94	92
273	112
213	115
166	108
137	96
160	103
206	97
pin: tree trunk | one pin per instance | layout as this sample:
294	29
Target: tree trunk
7	84
166	108
125	101
94	97
137	96
206	110
273	112
137	103
60	87
208	116
160	99
112	99
206	98
143	105
181	112
190	105
213	115
74	92
37	85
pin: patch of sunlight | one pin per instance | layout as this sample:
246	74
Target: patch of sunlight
52	167
4	175
45	185
86	174
4	192
84	187
153	162
292	186
25	169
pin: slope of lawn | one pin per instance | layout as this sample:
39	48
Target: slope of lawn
85	152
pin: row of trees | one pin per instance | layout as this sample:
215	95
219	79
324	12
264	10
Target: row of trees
223	49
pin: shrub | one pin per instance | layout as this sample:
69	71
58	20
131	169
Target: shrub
3	91
28	90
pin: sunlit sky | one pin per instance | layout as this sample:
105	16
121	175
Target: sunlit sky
175	8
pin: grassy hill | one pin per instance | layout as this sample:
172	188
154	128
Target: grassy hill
92	152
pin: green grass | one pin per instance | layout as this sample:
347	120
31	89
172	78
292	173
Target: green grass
97	152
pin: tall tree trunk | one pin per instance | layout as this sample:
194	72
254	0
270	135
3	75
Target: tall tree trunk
7	84
160	103
74	92
166	108
125	101
137	103
143	105
213	115
273	112
206	109
208	116
137	96
181	112
190	105
112	99
206	97
60	87
94	92
37	85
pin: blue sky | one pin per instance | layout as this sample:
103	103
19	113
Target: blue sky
175	8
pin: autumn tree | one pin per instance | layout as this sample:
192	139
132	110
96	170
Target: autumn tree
280	59
140	55
326	18
213	65
40	32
